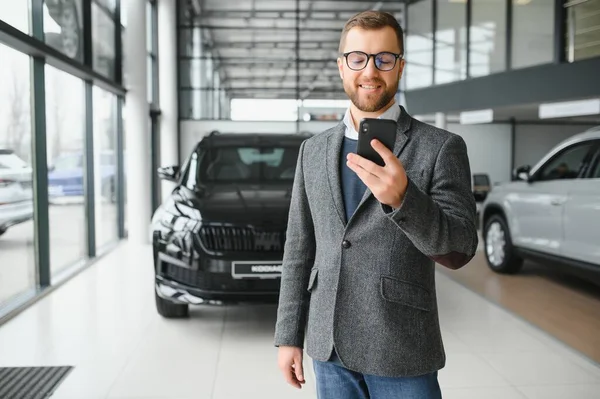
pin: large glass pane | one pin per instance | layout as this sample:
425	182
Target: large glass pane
103	33
532	33
110	5
488	37
150	79
451	42
15	13
583	31
105	166
63	26
419	45
65	128
149	44
17	253
124	132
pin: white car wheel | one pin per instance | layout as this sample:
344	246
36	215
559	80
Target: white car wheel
495	243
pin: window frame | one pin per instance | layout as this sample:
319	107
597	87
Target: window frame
584	166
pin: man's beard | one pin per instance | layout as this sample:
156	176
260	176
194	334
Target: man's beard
370	103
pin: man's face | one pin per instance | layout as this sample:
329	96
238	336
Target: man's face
370	89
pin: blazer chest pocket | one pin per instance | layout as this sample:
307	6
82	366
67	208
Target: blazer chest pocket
312	280
405	293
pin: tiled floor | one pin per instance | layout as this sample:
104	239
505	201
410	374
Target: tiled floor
104	323
564	306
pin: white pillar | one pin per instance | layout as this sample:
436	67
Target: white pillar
137	132
168	91
440	120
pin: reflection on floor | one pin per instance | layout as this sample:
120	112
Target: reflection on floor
564	306
103	322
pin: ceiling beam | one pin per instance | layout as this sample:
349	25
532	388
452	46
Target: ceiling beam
266	28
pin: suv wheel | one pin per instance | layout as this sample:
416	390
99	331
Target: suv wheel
169	309
3	230
499	251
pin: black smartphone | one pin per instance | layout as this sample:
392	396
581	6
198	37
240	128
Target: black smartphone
383	130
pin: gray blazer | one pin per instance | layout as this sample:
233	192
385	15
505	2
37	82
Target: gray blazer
367	285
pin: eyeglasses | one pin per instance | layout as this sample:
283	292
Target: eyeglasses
358	60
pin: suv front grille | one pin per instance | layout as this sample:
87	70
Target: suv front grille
243	239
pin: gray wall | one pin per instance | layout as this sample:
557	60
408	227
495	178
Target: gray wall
489	149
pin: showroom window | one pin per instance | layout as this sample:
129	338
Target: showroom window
105	167
583	25
152	49
487	47
532	33
48	228
17	250
451	42
63	26
103	33
419	45
16	13
65	133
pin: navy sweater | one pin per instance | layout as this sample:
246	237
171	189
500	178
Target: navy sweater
353	188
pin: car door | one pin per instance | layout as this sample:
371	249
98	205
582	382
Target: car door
582	215
538	206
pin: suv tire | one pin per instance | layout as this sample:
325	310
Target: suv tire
169	309
499	251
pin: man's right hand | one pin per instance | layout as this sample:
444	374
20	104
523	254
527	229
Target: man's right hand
290	364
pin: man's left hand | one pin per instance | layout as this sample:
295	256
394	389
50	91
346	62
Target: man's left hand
388	183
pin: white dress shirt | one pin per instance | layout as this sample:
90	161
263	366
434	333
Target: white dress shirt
392	113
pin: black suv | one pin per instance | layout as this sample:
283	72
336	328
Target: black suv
220	235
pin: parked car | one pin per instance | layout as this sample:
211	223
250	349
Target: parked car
65	176
221	233
16	190
481	186
550	213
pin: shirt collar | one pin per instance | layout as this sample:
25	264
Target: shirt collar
392	113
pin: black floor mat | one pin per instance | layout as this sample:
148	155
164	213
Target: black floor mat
30	382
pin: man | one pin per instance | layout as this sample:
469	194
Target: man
362	240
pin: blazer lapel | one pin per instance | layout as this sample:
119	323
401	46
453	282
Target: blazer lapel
334	149
404	122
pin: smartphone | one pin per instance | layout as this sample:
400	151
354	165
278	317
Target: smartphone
383	130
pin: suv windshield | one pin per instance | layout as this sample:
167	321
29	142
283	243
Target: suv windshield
247	164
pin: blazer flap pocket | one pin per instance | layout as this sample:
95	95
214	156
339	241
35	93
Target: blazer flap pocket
312	279
406	293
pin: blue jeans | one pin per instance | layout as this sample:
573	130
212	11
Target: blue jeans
334	381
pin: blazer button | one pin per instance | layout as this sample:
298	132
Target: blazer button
346	244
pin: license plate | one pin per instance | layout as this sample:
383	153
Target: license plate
256	269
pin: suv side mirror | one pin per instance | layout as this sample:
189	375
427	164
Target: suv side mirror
522	173
170	173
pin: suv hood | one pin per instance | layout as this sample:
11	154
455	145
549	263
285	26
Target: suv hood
256	205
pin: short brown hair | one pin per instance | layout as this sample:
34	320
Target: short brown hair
373	20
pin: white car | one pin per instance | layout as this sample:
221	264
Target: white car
550	213
16	191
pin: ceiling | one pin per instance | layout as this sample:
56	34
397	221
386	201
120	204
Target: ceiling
256	43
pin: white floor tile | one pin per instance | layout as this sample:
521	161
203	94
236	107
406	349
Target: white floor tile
174	358
480	393
500	340
562	392
464	370
538	369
